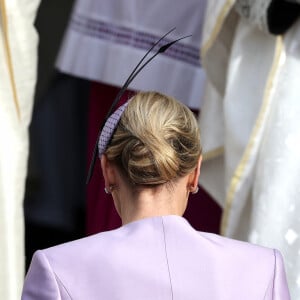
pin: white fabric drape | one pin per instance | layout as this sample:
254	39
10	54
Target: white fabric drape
18	57
250	131
105	40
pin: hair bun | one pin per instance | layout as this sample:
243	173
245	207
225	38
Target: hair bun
156	141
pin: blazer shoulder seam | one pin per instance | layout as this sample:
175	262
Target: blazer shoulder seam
58	281
62	284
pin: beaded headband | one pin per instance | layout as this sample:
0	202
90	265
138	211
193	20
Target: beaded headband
109	128
111	120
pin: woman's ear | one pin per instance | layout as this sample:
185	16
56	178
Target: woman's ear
194	177
108	172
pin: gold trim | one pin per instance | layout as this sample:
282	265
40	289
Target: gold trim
212	154
258	123
220	20
8	56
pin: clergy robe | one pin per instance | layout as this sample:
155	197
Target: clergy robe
250	128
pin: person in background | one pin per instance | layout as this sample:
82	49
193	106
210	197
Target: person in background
150	156
18	61
250	123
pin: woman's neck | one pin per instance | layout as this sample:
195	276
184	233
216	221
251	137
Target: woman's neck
151	202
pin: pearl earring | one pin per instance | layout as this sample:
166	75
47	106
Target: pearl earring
195	191
107	191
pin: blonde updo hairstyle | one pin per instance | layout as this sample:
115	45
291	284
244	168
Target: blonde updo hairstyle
156	141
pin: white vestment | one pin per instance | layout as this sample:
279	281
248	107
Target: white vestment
250	124
106	39
18	57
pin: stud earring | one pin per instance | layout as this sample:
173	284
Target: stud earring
107	191
196	190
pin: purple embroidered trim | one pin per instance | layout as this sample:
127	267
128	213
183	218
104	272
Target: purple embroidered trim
127	36
109	128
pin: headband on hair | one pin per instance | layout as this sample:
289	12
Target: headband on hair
111	120
109	128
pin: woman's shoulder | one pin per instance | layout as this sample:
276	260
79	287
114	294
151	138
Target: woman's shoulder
83	246
230	243
205	242
98	244
240	253
133	237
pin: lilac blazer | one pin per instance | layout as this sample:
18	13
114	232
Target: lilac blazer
156	258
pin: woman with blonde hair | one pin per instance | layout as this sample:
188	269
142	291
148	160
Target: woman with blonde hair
150	156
